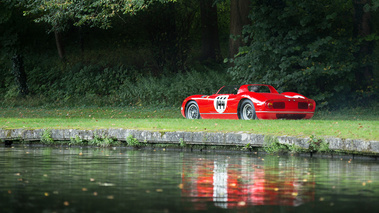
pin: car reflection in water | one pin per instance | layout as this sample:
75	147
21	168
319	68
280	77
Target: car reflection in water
228	186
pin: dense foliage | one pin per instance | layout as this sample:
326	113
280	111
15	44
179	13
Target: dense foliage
157	52
305	46
94	12
96	85
141	60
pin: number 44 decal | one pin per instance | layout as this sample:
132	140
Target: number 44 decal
220	103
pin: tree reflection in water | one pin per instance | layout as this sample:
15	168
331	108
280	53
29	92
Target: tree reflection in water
85	179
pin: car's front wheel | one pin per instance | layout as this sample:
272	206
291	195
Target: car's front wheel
247	111
192	110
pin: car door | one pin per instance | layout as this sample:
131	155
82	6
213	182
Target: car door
222	106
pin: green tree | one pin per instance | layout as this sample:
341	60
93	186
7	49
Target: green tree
93	12
60	14
14	37
303	46
57	13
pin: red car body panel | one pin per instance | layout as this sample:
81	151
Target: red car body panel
268	105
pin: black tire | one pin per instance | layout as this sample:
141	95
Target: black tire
192	110
247	111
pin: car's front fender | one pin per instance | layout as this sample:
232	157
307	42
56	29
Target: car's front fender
185	102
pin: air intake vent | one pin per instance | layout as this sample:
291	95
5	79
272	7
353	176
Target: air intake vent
302	105
290	116
279	105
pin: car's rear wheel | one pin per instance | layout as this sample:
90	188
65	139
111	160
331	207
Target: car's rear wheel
247	111
192	110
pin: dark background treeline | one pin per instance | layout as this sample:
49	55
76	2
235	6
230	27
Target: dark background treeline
159	52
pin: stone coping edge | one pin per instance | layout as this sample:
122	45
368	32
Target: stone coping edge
190	138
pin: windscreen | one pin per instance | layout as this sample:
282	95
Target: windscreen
229	90
259	89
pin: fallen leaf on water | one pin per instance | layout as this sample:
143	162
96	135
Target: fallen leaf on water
159	190
110	197
66	203
106	184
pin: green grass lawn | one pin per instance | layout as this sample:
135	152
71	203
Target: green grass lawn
354	124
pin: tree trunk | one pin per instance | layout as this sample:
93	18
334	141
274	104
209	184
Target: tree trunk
362	28
209	31
20	75
81	40
239	12
60	46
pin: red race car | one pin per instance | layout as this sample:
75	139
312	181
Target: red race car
247	102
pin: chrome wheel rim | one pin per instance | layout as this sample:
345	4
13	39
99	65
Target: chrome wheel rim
193	112
247	112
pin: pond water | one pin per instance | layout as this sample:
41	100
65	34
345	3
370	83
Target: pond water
48	179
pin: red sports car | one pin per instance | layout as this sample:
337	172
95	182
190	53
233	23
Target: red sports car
249	101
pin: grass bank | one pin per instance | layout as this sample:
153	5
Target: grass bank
349	123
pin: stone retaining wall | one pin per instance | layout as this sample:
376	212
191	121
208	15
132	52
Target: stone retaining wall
190	138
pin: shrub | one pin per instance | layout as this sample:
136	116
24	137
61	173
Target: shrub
271	145
46	137
282	50
131	141
171	90
101	85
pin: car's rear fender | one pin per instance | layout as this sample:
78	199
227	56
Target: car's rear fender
253	100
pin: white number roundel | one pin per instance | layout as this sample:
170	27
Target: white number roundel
220	103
